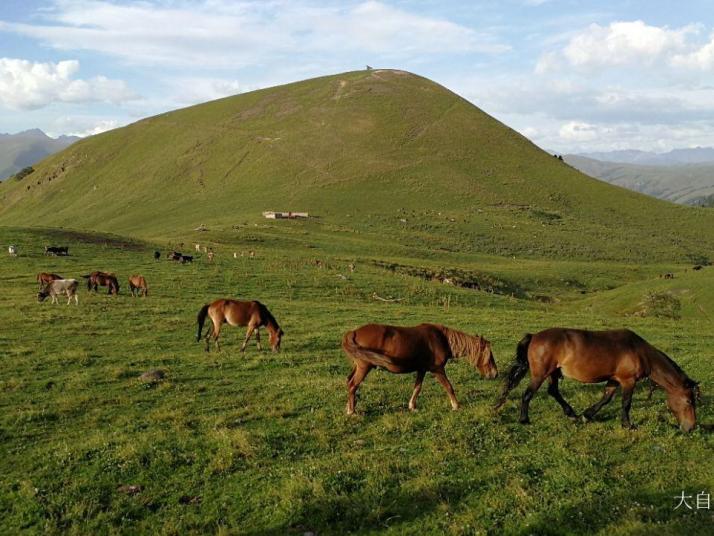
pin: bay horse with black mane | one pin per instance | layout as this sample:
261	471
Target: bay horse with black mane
421	349
102	279
252	314
618	357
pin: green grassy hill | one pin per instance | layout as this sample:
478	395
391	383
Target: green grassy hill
373	153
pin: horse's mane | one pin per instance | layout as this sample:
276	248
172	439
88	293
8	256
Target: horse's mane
269	318
688	382
473	347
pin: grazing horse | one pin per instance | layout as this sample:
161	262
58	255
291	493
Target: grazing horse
58	287
12	250
421	349
102	279
619	357
45	277
138	286
239	313
157	255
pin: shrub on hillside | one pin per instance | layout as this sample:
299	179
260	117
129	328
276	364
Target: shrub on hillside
24	172
660	305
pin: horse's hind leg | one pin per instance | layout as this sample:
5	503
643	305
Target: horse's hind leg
354	379
417	389
440	376
555	393
536	382
607	396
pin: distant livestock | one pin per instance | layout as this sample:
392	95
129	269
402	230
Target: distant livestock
43	278
138	286
58	287
102	279
239	313
186	258
698	267
60	251
174	255
198	248
211	255
12	250
668	275
157	255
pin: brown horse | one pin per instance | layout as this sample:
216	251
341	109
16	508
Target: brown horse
102	279
43	278
138	286
421	349
619	357
253	314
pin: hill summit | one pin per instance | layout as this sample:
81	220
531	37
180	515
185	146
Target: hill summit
385	151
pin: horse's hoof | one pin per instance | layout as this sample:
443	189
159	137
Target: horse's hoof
585	419
524	421
573	417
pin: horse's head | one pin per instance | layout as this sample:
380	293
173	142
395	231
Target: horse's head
275	337
486	363
682	402
42	295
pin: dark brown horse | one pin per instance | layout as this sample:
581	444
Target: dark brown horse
138	286
253	314
619	357
43	278
102	279
421	349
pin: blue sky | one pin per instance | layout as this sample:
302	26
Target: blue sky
570	75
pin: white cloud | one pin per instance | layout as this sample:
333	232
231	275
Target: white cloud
622	43
577	131
83	125
701	58
26	85
228	34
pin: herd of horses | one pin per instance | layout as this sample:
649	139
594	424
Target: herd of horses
620	358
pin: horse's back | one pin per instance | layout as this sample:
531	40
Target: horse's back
589	356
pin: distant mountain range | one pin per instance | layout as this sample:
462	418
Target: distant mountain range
683	176
697	155
27	148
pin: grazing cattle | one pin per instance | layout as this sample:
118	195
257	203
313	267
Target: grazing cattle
12	250
57	250
239	313
102	279
211	255
698	267
235	254
138	286
186	258
57	287
174	256
421	349
43	278
157	255
620	357
198	248
667	276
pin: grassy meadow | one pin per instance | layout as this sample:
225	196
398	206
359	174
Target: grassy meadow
259	443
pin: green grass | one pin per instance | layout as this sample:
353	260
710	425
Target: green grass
259	443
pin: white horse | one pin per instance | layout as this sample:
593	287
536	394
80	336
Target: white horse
58	287
12	250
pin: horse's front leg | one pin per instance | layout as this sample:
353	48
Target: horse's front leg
417	389
628	388
257	338
607	396
440	376
248	334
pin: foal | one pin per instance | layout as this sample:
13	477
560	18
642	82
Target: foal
239	313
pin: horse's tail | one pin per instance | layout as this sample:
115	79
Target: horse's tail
355	351
202	314
517	371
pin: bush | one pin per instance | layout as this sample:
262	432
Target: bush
660	305
24	172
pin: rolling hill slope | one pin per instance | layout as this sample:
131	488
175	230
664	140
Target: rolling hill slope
383	153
